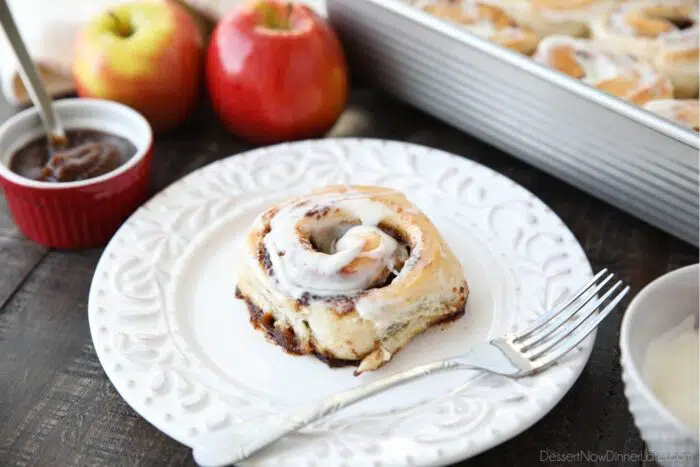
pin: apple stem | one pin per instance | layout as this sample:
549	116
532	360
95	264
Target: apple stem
123	29
275	17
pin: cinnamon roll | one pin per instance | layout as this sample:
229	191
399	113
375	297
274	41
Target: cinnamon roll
619	75
551	17
681	111
484	20
349	274
663	32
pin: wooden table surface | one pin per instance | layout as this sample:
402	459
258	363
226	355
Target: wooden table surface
58	408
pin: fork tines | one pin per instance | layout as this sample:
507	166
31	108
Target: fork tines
561	329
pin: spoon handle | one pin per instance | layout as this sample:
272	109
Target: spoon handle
30	76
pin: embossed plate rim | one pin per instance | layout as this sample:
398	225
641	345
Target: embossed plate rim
116	368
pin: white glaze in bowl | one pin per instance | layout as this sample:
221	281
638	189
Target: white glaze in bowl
658	308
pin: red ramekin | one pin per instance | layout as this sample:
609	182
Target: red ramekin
86	213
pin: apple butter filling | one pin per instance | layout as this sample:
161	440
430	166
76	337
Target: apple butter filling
86	154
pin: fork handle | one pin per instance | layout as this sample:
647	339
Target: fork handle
226	449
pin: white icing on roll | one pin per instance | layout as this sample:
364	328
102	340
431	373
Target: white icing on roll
682	111
599	66
481	28
682	39
605	67
300	269
584	13
481	25
618	22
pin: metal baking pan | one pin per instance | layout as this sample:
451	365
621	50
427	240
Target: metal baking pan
616	151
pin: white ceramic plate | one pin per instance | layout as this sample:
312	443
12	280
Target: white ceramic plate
178	347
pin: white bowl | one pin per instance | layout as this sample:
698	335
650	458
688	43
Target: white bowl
659	307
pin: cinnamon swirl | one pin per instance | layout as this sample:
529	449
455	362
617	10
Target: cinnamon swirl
619	75
484	20
685	112
663	32
348	273
551	17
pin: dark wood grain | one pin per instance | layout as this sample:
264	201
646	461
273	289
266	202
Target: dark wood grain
18	257
58	408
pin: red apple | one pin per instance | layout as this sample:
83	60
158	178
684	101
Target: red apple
276	71
145	54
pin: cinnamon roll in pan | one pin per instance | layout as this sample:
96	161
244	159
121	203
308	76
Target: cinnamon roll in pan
684	112
680	63
484	20
620	75
663	32
552	17
350	274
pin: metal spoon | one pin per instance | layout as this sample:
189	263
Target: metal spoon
30	77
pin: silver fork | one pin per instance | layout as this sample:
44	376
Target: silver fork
523	353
